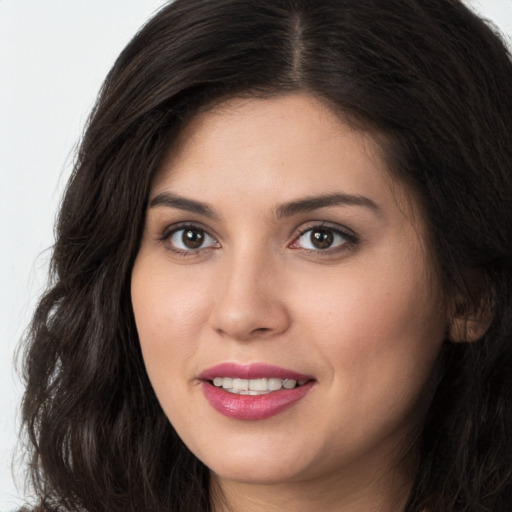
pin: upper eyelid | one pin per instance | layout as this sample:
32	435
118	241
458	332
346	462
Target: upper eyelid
308	226
352	239
176	226
166	235
297	232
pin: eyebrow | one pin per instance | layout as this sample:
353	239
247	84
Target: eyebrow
182	203
323	201
289	209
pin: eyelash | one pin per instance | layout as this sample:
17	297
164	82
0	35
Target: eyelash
349	236
170	232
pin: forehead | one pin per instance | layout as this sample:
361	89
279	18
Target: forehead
278	148
300	124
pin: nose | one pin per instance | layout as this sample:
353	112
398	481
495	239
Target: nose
249	302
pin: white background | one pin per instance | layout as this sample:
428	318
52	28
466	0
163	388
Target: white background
54	55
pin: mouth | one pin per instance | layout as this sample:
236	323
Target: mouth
255	387
253	392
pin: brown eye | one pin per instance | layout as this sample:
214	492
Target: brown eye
321	238
191	238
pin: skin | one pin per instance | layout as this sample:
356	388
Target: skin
365	317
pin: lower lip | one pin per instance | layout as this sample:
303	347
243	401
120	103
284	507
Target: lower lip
253	407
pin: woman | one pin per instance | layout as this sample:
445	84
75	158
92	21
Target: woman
281	279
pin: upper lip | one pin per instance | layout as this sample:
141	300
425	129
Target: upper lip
251	371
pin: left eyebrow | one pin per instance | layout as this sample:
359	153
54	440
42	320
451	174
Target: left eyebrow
308	204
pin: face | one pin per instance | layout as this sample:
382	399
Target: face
288	312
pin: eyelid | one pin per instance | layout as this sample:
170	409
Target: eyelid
351	237
171	229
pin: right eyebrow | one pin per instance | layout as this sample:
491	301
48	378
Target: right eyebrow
180	203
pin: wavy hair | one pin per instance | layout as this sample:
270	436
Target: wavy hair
429	77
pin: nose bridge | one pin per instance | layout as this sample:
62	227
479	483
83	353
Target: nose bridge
248	301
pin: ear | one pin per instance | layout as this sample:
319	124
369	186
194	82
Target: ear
471	317
467	329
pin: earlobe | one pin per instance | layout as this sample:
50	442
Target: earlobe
472	310
470	321
464	329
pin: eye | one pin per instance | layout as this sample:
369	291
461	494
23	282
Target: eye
190	238
322	238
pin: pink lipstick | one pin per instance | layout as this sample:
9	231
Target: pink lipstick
253	392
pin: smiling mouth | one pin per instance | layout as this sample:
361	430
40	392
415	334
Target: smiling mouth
254	387
254	391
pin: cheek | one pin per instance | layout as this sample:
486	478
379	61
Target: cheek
169	313
166	304
379	346
380	335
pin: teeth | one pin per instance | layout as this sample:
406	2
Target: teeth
289	383
258	384
275	384
227	383
240	384
255	386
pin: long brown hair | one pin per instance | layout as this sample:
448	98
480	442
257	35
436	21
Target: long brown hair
429	76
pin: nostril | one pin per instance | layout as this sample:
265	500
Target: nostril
262	329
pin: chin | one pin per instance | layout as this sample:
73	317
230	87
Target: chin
253	474
258	464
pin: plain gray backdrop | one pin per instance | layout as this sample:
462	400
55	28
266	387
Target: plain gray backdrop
54	55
